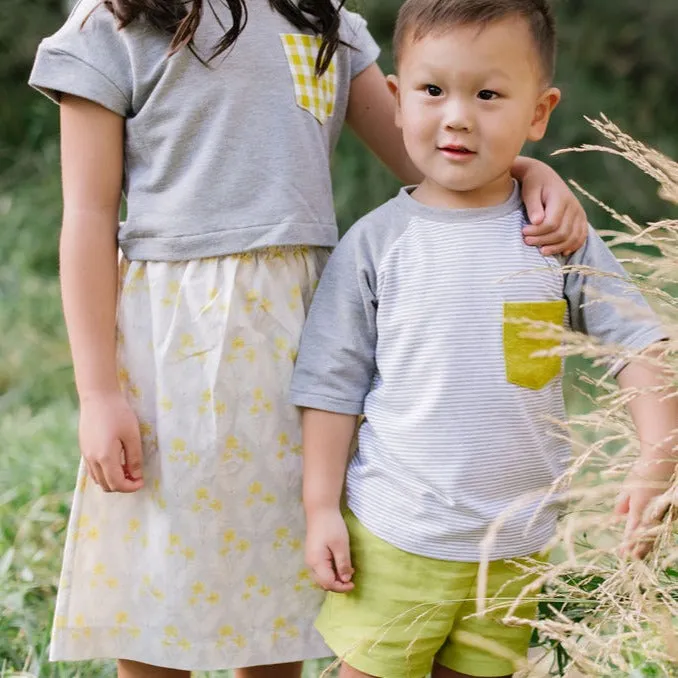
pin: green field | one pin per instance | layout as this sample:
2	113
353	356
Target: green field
620	60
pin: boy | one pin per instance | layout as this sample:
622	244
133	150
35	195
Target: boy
417	324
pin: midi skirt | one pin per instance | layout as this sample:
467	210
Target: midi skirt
202	569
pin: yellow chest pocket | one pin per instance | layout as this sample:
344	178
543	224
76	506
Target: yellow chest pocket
524	322
313	94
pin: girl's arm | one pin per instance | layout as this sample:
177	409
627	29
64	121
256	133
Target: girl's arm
92	169
559	223
371	115
327	444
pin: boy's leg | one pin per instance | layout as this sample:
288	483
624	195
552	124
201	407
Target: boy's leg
274	671
401	611
483	645
129	669
440	671
347	671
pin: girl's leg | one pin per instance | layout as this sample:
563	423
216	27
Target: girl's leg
443	672
274	671
128	669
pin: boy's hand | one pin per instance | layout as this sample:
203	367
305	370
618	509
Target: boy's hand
327	551
110	442
558	221
641	504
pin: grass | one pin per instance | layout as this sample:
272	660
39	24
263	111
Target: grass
606	616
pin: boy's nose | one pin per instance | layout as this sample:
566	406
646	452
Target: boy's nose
458	116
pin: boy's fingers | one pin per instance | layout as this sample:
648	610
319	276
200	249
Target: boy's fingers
342	562
634	518
323	572
642	550
622	507
325	578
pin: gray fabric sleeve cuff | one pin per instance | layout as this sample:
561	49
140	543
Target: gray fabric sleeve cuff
638	343
319	402
56	72
367	55
363	48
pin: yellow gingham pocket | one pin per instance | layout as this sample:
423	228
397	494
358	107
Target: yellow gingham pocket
313	94
522	322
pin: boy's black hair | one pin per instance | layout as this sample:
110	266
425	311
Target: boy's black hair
418	18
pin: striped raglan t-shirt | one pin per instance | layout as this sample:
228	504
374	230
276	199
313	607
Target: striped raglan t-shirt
414	325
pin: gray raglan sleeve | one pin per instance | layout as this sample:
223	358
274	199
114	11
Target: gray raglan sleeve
87	57
336	361
605	304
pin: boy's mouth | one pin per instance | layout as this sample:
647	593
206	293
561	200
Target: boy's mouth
456	152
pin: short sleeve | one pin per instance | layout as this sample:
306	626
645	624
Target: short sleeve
87	57
605	304
363	49
336	361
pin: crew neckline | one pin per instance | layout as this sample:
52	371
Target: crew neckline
405	201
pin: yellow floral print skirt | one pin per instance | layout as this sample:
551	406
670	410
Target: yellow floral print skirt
203	569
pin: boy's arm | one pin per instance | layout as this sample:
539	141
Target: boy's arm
327	442
655	415
604	303
333	374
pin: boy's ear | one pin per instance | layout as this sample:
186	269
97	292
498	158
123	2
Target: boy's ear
545	104
392	82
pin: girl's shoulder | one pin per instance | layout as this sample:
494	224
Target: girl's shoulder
92	57
355	35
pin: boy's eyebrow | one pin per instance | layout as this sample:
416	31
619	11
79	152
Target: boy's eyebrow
476	72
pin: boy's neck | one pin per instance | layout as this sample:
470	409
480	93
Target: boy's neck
491	194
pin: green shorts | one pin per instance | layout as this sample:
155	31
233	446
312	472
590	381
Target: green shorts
407	611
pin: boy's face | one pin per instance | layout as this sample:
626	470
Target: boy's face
467	99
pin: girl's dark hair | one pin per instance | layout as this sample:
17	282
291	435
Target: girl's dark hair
180	19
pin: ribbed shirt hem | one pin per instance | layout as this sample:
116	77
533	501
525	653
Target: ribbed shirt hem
228	241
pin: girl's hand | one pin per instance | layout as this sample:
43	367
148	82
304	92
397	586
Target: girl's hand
558	221
327	550
110	442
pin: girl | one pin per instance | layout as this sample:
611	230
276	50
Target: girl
216	121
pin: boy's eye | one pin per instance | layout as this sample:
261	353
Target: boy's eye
433	90
487	95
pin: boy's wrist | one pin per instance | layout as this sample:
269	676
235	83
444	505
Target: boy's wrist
314	508
655	469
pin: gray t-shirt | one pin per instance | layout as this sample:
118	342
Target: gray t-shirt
414	325
218	159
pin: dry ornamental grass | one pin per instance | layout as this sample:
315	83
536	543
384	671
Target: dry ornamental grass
603	614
